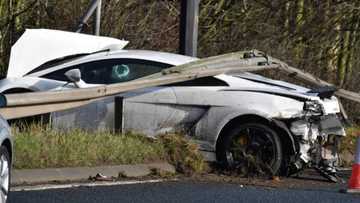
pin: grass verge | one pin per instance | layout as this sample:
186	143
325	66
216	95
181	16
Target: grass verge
41	147
183	154
349	142
348	145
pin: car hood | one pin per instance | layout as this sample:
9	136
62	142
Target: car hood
38	46
248	82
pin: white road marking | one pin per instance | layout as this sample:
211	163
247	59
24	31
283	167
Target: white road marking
76	185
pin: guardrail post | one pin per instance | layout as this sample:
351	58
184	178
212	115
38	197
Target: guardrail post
118	114
97	19
94	5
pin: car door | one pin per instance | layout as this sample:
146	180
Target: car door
149	111
145	111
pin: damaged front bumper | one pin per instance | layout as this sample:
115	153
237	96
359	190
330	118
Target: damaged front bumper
318	138
317	133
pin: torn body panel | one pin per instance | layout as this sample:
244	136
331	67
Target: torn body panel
318	140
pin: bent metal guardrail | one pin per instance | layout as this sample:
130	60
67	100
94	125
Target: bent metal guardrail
29	104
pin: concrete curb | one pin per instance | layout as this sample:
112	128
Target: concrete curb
37	176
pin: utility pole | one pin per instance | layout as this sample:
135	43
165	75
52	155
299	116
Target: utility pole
97	19
95	5
189	22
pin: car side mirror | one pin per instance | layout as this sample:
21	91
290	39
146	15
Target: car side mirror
74	75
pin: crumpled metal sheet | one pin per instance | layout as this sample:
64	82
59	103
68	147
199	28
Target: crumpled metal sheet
37	46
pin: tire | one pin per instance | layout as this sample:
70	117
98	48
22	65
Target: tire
5	174
251	149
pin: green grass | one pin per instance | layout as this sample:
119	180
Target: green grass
349	142
183	154
41	147
38	147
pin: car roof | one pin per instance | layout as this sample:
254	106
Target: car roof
156	56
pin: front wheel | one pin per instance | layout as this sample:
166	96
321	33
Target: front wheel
251	149
5	167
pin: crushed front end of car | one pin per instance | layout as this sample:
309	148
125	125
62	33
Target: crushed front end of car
318	133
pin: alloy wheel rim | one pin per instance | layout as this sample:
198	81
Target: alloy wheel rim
4	178
258	144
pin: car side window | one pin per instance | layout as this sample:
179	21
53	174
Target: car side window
112	70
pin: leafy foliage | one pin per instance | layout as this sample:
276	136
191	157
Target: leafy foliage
319	36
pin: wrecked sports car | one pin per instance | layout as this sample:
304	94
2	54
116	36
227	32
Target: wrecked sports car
243	121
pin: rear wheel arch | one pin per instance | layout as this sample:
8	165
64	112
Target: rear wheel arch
288	142
251	148
242	119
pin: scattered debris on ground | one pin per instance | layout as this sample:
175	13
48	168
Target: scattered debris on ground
308	178
100	177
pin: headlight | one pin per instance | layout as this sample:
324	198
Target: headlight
313	107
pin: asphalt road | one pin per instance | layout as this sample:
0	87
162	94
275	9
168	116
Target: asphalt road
184	191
